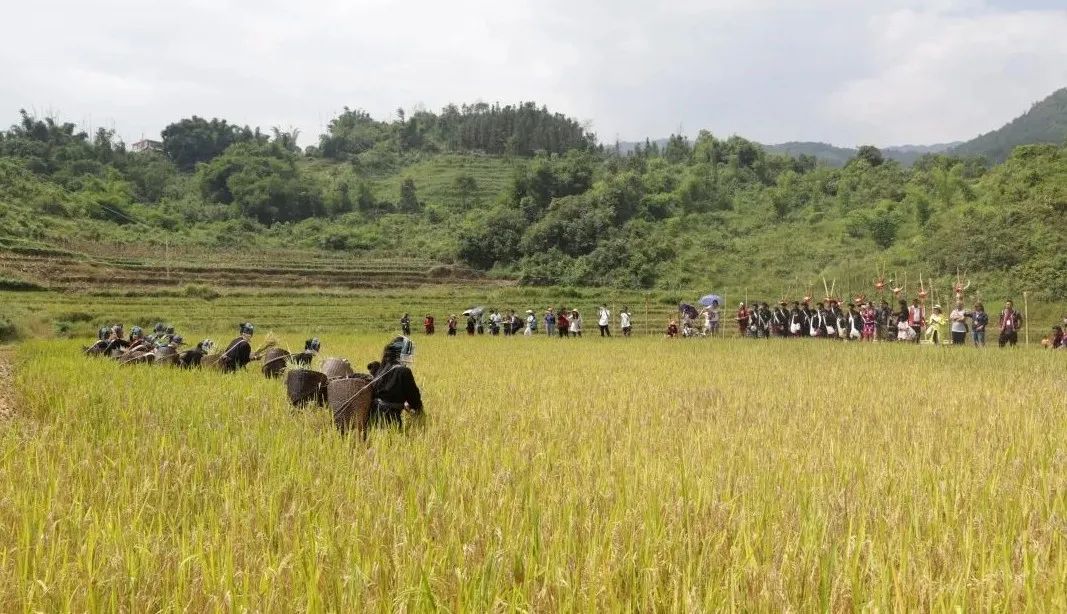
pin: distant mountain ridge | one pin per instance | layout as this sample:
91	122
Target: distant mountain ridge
828	154
839	156
1045	122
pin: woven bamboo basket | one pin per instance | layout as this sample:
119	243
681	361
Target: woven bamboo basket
336	368
275	360
350	399
304	387
137	358
95	350
166	356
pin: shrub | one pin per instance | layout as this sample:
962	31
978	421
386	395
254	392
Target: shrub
62	328
8	330
75	316
206	293
20	285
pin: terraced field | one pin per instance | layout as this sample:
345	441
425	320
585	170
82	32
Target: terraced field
96	267
309	312
435	179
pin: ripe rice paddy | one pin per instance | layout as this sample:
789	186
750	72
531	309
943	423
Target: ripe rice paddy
592	475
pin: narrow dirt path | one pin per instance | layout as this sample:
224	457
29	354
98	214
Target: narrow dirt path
7	386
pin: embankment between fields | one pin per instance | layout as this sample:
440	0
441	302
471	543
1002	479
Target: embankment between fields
7	388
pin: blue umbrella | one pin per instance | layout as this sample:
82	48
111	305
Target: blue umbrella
709	299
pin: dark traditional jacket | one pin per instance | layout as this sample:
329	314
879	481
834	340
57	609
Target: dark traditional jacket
236	355
397	386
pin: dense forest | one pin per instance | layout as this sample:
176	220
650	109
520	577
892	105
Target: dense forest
524	193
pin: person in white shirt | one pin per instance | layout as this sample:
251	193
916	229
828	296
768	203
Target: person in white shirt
624	322
494	323
706	312
958	324
604	321
531	323
904	331
576	324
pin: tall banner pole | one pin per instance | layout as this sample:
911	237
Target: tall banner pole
648	322
1026	317
722	313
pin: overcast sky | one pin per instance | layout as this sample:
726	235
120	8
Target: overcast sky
842	71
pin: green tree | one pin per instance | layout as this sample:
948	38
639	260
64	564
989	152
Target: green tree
920	203
870	154
788	195
263	181
492	239
150	173
880	223
948	184
574	225
340	200
409	199
365	200
195	139
351	133
466	188
677	150
108	197
287	138
59	150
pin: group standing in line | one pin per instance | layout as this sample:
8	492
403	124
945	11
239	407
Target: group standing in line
829	319
559	322
866	321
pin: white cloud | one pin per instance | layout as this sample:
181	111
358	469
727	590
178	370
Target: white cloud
841	70
949	76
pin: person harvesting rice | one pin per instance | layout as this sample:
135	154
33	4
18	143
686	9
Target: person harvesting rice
394	384
239	352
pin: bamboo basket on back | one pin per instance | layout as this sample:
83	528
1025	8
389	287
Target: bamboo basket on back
304	386
274	362
136	357
350	399
336	368
165	356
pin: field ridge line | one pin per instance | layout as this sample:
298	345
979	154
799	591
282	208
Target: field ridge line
7	385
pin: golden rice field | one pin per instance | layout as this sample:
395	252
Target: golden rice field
553	475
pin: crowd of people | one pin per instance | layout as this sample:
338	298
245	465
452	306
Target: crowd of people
162	343
392	383
554	322
866	321
829	319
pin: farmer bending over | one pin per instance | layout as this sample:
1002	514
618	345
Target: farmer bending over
394	386
239	352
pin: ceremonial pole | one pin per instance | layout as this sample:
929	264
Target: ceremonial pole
722	312
648	322
1026	317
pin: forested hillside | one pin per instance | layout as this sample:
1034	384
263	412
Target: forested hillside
1045	122
522	193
